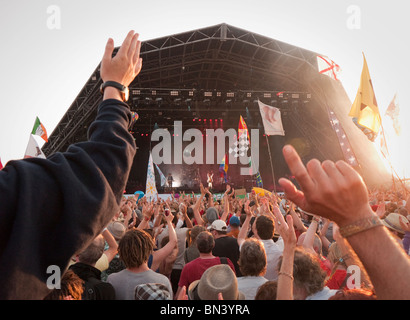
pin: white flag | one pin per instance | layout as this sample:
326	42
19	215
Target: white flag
163	179
33	150
272	120
151	189
328	67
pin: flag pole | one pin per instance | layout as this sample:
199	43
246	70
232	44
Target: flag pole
271	164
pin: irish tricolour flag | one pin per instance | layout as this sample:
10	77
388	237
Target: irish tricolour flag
39	130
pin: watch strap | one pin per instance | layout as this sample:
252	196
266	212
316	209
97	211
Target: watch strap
360	226
121	88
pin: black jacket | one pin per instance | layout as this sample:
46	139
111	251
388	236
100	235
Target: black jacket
52	208
94	288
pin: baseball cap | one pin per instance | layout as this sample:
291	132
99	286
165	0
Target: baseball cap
218	225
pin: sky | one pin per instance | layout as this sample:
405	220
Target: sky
50	49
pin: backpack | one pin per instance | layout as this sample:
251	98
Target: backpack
90	290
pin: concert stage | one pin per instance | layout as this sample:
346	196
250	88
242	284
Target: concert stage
207	79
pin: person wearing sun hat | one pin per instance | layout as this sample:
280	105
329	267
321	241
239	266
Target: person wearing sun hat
219	279
392	222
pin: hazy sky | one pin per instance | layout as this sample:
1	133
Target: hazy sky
45	62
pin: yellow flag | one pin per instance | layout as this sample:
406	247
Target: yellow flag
365	108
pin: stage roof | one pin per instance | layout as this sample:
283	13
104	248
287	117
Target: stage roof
221	70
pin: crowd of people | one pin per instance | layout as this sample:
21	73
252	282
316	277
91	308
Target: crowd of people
184	248
329	239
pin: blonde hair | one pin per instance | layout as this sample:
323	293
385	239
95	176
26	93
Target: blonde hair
193	233
335	256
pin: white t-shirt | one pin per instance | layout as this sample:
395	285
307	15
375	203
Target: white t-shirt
249	285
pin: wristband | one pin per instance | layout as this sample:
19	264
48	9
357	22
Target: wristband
286	274
360	226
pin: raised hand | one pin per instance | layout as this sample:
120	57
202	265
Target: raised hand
332	190
126	64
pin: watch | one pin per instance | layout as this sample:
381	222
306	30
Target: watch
122	89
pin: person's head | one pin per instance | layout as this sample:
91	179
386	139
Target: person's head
152	291
117	229
267	291
211	214
190	212
205	242
252	258
264	227
182	207
354	294
192	233
334	254
135	248
391	207
317	243
71	288
309	277
93	252
392	222
216	279
403	211
218	228
234	222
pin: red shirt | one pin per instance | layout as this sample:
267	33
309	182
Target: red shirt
193	270
336	281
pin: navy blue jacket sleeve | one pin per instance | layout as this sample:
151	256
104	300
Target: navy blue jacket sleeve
50	209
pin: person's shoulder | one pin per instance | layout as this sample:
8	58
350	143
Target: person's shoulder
116	275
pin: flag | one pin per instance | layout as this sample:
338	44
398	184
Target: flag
243	128
259	182
365	111
1	165
383	145
39	130
328	67
33	150
150	188
163	179
393	112
223	168
244	142
272	120
343	140
134	118
241	146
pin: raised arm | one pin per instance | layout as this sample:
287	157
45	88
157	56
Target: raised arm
112	245
285	275
165	251
73	194
225	213
197	205
243	232
308	241
297	222
337	192
147	212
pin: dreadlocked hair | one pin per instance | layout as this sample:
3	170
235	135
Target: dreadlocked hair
135	248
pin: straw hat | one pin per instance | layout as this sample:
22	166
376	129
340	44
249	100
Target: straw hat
216	279
117	229
392	221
